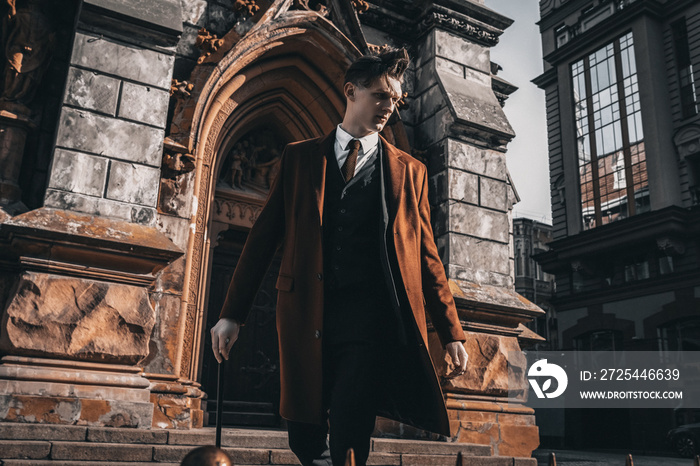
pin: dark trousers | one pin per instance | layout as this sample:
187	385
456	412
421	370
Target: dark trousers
354	382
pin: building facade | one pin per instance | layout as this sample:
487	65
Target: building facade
531	237
624	144
140	140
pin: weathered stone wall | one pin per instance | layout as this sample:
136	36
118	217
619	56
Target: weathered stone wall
111	130
64	317
461	125
78	317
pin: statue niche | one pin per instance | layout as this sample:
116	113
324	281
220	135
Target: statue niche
253	162
246	175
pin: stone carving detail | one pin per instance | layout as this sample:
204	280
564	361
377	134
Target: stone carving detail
208	43
176	160
248	7
253	162
77	318
180	89
360	6
236	212
440	17
175	163
27	40
377	49
461	26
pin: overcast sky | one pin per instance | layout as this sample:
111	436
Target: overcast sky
519	52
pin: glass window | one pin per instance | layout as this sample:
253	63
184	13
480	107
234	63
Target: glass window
610	147
665	265
684	69
680	335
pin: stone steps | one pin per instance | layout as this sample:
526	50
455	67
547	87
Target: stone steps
51	445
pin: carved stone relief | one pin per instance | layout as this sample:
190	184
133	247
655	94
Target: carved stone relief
208	43
253	162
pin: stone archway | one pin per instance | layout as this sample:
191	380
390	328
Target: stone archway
287	73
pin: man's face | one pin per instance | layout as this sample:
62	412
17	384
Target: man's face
369	108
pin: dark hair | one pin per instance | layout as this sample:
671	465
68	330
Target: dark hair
207	455
388	61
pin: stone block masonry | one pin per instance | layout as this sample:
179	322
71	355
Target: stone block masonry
109	142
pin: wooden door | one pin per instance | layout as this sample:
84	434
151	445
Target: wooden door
252	387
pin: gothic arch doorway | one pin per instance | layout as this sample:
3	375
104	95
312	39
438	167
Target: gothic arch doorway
247	170
287	90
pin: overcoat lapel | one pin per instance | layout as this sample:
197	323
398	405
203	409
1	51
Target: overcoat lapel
396	169
317	170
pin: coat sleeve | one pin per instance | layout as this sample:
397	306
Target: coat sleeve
439	301
263	241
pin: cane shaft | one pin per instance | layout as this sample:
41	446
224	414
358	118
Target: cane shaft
219	404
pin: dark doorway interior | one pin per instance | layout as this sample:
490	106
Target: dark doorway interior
251	396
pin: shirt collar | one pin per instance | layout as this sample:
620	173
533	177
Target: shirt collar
368	142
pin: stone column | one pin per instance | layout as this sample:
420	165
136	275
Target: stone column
78	317
459	124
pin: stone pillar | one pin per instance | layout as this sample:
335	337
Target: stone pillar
78	314
461	127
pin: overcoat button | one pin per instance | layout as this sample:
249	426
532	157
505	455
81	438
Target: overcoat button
317	334
319	276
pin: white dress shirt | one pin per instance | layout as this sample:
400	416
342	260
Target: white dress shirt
369	145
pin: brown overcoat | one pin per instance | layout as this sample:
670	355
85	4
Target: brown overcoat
292	218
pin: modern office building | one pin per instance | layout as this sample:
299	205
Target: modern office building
620	79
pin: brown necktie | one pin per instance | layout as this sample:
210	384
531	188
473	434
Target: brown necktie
348	169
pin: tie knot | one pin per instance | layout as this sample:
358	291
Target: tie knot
354	144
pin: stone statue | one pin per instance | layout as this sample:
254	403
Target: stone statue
28	41
239	163
254	162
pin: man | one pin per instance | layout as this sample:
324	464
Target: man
359	267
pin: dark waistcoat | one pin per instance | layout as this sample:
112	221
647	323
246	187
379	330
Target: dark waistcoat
357	305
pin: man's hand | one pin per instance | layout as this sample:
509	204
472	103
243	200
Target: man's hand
223	335
459	359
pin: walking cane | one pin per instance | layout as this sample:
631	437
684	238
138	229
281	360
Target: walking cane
220	401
